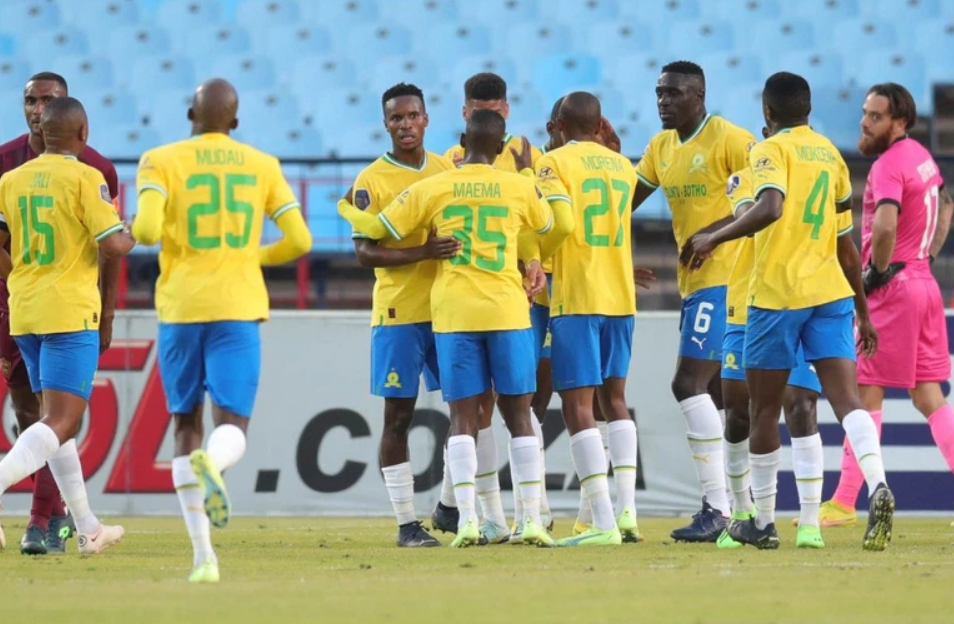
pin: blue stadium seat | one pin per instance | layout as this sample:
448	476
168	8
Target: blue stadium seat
726	70
839	114
126	141
529	42
335	111
291	42
289	141
367	43
43	46
369	140
107	109
439	139
339	15
742	12
578	12
908	69
690	40
12	122
821	11
557	74
165	113
418	14
245	72
854	37
452	41
329	232
904	11
85	74
497	12
633	137
781	34
819	69
7	45
414	69
743	107
612	102
661	12
467	66
217	41
611	39
322	71
13	75
132	42
29	18
155	74
260	109
636	74
527	105
443	108
934	35
183	17
265	14
100	19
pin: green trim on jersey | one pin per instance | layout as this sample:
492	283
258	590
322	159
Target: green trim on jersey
695	133
391	160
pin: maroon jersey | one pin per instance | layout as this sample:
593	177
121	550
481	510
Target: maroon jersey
18	151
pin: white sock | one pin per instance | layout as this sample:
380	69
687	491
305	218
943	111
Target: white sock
538	432
585	514
705	441
622	446
487	481
590	462
448	498
68	473
863	437
808	464
525	466
226	446
29	453
462	459
193	510
400	483
765	485
603	427
739	475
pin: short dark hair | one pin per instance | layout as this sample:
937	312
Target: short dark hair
485	86
485	120
555	111
788	95
50	76
687	68
900	102
401	89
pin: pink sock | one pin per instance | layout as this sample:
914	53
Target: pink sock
942	428
849	485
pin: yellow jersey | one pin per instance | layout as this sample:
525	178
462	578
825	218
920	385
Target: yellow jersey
57	210
796	258
480	289
402	294
593	268
504	161
692	174
217	193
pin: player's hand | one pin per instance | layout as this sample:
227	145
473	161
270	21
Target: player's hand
697	250
457	158
607	136
867	340
536	279
440	247
524	158
105	332
643	277
873	279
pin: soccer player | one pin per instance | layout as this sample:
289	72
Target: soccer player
481	318
402	342
49	526
58	216
691	159
592	310
907	214
204	199
799	298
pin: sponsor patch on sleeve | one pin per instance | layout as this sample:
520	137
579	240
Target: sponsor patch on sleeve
362	199
104	194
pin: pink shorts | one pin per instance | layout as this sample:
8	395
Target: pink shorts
908	315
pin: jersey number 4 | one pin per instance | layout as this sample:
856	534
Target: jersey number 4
814	214
33	225
214	207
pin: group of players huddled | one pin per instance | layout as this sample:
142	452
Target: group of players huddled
504	272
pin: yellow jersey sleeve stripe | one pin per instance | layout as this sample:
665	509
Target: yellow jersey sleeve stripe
154	187
742	202
764	187
394	233
558	197
647	182
847	230
109	232
280	211
359	236
844	199
546	228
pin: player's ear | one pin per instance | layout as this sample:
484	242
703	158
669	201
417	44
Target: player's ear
427	119
505	110
500	147
234	124
191	114
83	134
463	141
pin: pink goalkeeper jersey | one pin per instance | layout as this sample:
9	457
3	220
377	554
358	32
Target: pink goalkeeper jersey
905	175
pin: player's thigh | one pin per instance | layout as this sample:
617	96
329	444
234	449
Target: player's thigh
933	357
733	344
702	324
616	346
463	361
513	362
540	323
11	360
398	355
772	339
575	351
829	331
68	362
896	320
181	365
29	347
233	364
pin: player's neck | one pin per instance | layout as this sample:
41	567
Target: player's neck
692	126
580	137
62	150
198	130
414	158
36	143
475	158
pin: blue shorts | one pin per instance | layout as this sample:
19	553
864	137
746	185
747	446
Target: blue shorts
773	337
802	376
540	324
223	357
473	362
399	354
63	362
588	348
702	324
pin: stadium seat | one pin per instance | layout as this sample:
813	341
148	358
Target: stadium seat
335	111
107	109
289	141
934	35
126	141
452	41
903	12
84	74
839	111
100	19
368	43
329	232
743	12
781	34
821	11
324	71
43	46
443	108
527	106
245	72
905	68
368	140
726	70
636	74
260	109
283	44
743	107
339	15
529	42
612	102
7	45
165	113
633	136
132	42
28	18
661	12
418	70
693	39
14	74
266	14
819	69
181	18
576	12
854	37
217	41
155	74
439	138
418	14
557	74
611	39
497	12
467	66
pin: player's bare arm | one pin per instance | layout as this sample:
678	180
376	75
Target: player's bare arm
524	158
640	194
944	212
372	255
712	227
117	245
766	211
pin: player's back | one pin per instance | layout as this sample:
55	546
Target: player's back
907	175
796	259
593	268
218	192
505	160
56	209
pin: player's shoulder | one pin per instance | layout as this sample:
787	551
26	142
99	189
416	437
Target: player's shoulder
13	145
439	161
373	169
452	151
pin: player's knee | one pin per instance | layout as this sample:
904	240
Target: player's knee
684	386
397	419
800	417
926	403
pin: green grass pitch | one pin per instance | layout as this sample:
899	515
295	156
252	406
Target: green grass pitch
318	570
